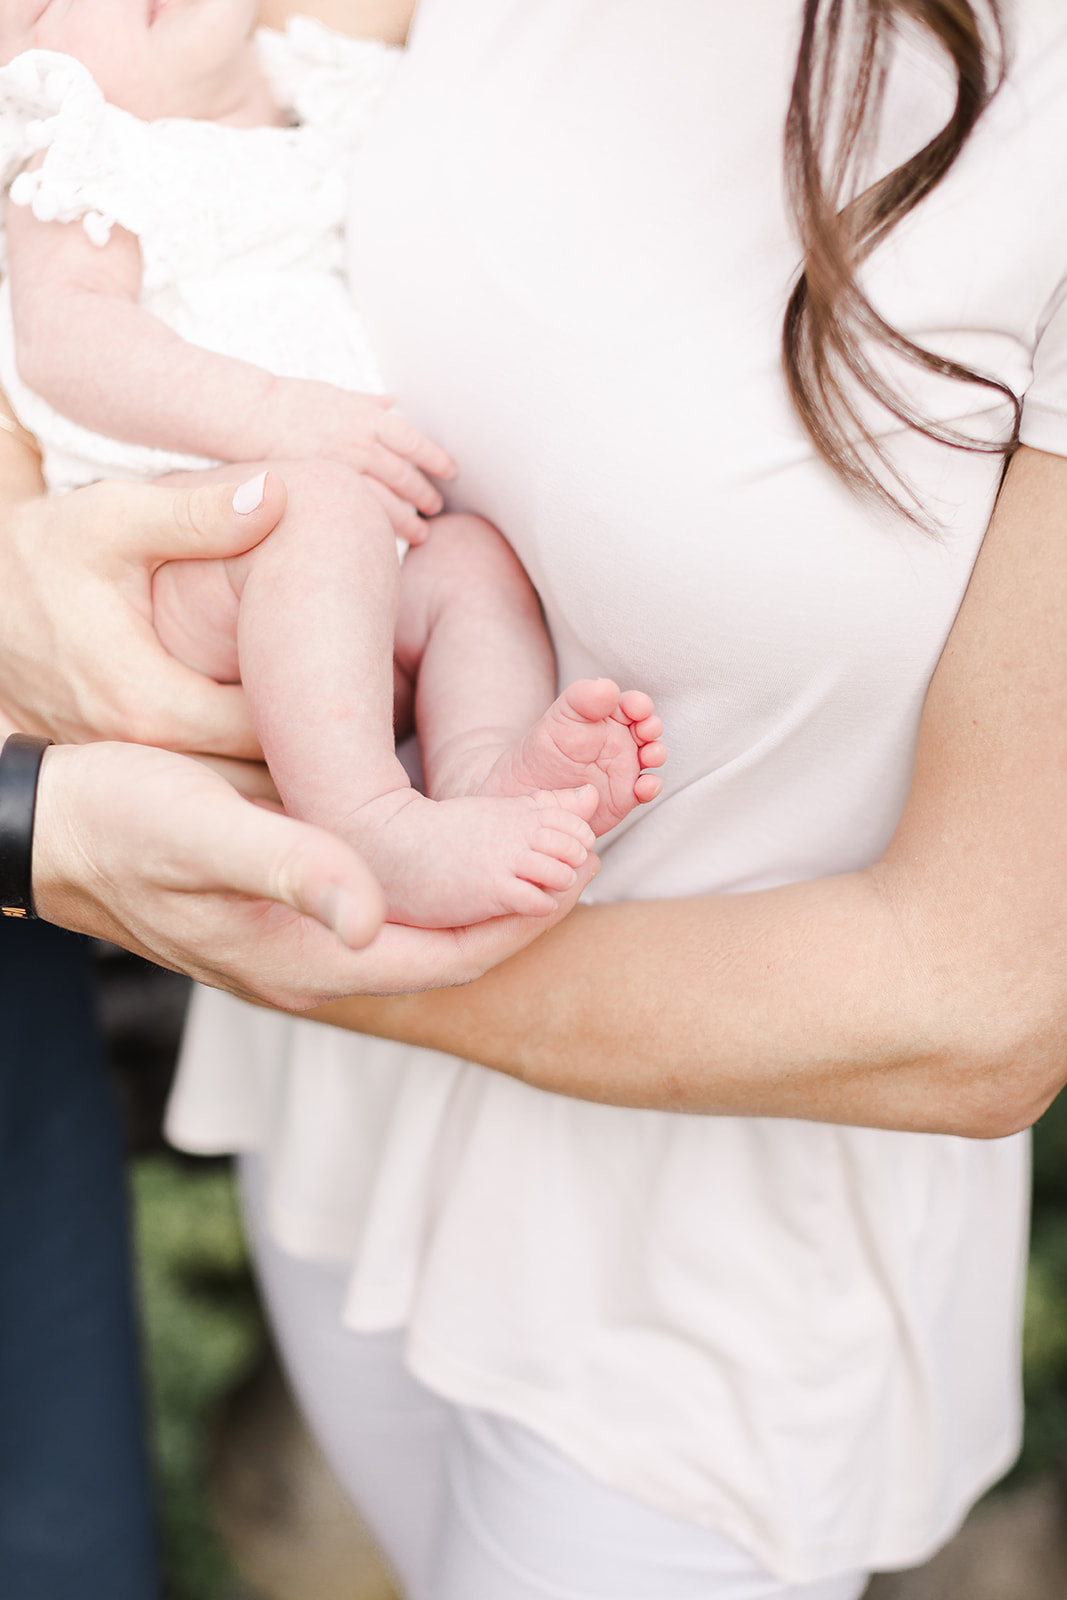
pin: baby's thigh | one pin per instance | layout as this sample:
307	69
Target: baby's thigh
465	566
194	610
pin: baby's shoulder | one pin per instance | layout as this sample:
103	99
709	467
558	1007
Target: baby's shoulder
53	115
65	152
197	195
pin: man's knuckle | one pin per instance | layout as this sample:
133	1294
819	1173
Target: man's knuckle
287	873
192	510
135	723
102	713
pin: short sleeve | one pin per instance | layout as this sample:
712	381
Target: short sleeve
50	105
327	80
1044	419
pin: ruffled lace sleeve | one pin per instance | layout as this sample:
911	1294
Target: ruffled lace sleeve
49	104
327	80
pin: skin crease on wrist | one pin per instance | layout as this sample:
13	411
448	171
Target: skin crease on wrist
926	993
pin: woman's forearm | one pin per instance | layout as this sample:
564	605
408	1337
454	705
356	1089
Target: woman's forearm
809	1001
928	992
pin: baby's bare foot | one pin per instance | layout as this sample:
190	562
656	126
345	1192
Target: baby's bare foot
447	863
591	734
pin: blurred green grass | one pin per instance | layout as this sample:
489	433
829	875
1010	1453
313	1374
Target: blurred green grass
204	1333
1045	1334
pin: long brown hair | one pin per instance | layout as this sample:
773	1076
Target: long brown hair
833	336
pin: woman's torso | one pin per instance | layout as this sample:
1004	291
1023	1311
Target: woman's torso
570	245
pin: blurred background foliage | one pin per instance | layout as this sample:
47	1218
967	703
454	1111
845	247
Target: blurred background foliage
204	1334
204	1331
1045	1335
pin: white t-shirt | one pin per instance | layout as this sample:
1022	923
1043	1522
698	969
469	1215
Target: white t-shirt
570	245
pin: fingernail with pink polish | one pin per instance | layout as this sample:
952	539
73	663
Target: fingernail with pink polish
249	497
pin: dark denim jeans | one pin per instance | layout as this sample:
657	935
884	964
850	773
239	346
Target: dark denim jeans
76	1519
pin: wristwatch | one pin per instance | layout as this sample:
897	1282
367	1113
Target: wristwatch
20	767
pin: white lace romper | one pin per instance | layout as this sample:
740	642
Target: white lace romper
240	228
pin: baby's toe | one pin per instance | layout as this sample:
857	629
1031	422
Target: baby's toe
636	705
527	900
647	729
591	698
578	805
547	871
561	844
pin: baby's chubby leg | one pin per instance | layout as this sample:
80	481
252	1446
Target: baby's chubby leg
471	648
312	611
471	639
305	621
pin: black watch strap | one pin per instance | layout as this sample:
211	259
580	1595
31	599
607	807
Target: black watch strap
20	767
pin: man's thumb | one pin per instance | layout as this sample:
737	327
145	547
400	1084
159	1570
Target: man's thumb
206	521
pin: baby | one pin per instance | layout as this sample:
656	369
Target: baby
175	300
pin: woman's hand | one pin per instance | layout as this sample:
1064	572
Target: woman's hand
80	657
157	853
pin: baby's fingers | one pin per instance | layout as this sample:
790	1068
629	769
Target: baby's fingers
405	520
404	479
398	435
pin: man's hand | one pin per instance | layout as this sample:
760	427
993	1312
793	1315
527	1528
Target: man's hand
81	659
159	854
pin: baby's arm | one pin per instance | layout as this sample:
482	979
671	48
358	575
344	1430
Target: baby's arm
86	346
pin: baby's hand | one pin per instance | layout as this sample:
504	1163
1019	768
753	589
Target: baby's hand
311	419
